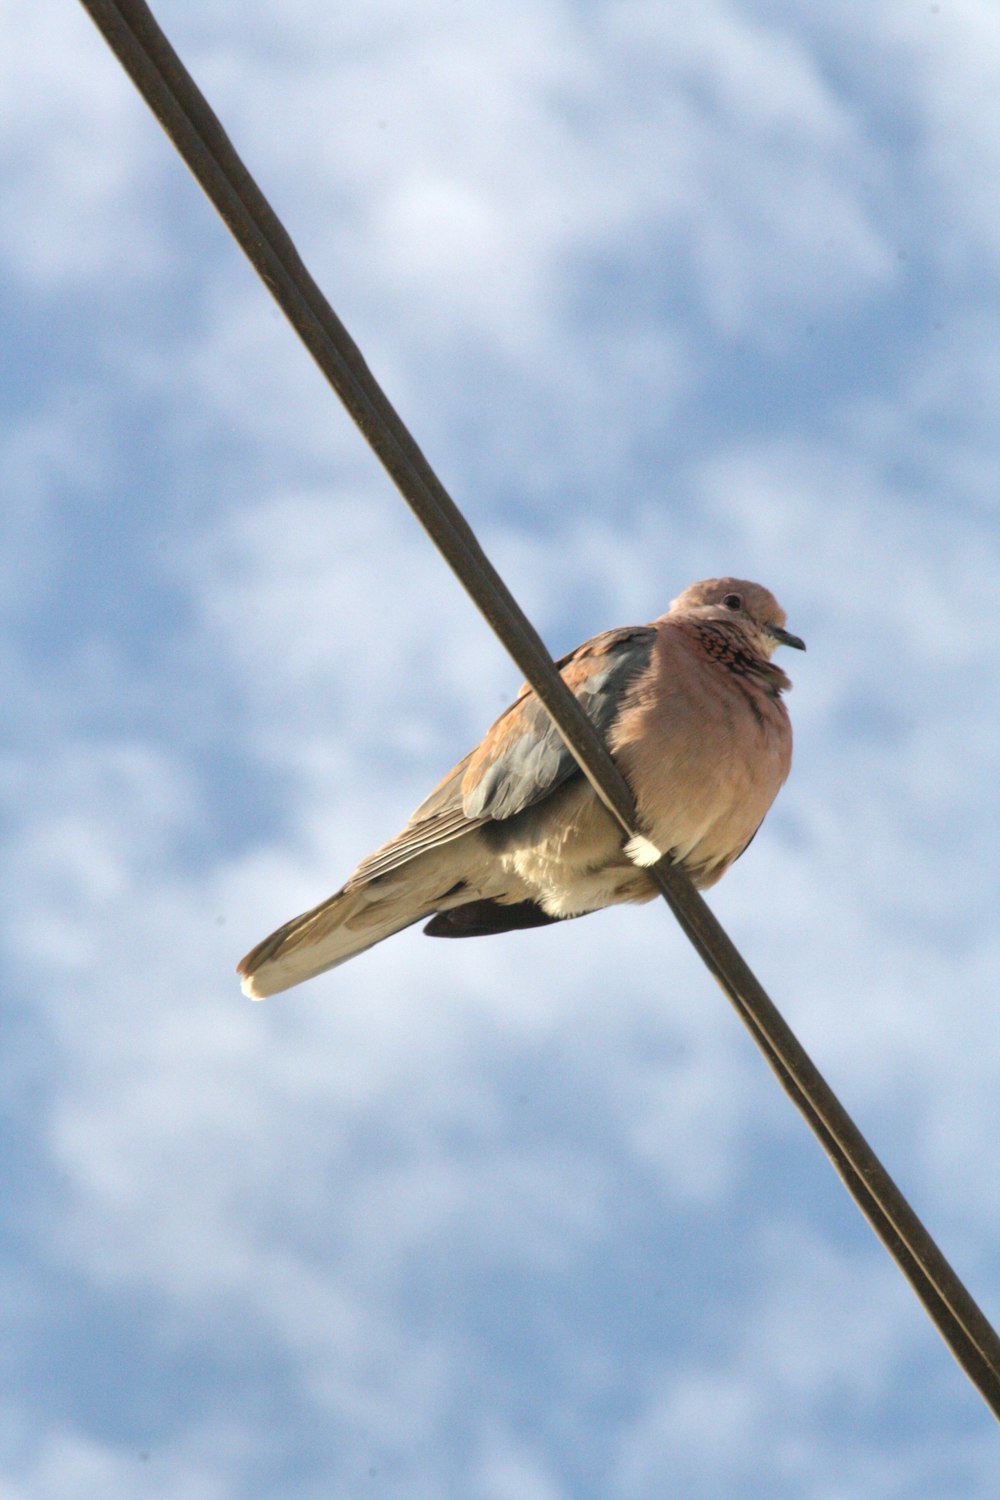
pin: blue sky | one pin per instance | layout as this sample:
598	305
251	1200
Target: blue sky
664	291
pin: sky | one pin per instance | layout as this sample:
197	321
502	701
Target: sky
664	291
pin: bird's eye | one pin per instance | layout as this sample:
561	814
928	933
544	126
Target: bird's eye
733	601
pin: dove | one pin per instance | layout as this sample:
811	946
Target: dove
690	707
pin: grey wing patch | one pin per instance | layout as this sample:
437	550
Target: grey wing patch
517	767
530	767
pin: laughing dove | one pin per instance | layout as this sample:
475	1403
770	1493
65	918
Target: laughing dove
691	709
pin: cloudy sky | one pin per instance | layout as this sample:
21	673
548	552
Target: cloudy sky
664	290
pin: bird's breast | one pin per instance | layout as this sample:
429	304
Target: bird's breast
705	749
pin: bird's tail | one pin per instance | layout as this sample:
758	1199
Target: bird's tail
345	924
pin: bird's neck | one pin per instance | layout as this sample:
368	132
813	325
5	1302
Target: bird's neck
734	651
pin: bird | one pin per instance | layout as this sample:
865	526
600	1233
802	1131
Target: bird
690	707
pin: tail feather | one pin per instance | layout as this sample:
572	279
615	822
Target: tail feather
344	925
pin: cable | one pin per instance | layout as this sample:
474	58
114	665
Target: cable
161	78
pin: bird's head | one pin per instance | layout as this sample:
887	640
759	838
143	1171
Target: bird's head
736	601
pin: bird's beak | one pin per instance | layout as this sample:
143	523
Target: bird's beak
785	637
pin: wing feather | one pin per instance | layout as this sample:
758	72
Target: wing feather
522	758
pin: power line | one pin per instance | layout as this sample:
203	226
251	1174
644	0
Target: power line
161	78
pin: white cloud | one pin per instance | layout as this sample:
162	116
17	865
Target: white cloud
525	1216
935	68
78	217
824	1332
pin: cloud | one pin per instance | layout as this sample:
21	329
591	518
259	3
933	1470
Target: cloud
525	1216
78	214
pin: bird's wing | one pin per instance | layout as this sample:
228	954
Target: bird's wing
522	757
